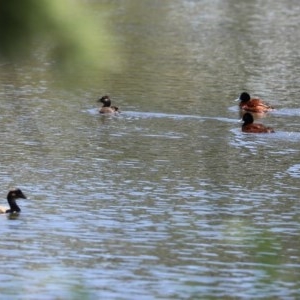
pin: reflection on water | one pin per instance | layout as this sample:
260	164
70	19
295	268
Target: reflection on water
294	171
169	199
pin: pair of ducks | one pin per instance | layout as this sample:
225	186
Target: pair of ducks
16	193
254	105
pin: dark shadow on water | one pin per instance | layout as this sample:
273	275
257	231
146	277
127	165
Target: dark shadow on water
13	216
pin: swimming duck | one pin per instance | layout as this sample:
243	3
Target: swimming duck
250	127
107	108
255	105
12	195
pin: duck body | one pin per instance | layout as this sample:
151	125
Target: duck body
255	105
107	108
12	195
249	127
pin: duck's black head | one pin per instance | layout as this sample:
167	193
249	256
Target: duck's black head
105	100
244	97
15	193
248	119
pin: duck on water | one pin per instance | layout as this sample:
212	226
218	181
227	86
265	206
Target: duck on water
12	196
107	108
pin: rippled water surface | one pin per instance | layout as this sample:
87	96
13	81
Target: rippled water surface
168	200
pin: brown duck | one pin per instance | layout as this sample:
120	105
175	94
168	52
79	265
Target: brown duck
250	127
107	108
255	105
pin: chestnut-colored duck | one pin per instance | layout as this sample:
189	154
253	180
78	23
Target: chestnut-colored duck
254	105
250	127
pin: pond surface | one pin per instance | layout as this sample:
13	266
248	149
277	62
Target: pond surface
169	199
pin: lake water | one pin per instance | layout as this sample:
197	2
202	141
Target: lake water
169	199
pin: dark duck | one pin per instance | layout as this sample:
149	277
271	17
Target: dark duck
12	196
107	108
250	127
